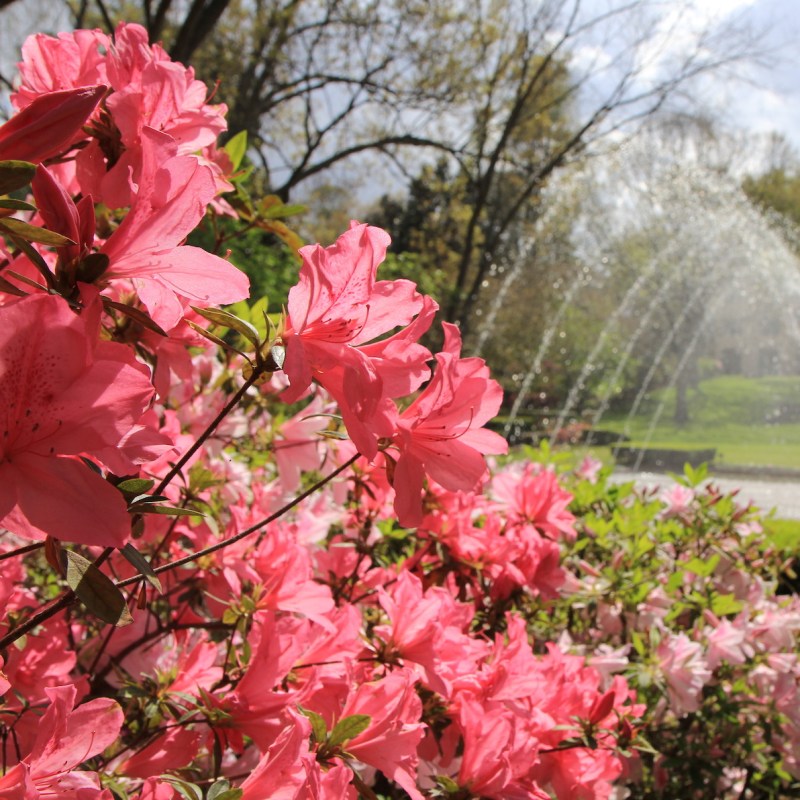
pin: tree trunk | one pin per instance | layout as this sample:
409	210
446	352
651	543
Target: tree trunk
682	398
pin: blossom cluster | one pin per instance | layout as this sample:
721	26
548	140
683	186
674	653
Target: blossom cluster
316	586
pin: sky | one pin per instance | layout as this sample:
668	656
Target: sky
768	99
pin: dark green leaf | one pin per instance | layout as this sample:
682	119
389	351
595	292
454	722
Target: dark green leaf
96	590
9	288
228	794
92	466
136	485
143	565
340	435
32	233
135	314
170	511
36	257
228	320
15	175
211	337
16	205
348	728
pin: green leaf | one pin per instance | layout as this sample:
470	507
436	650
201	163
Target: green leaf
96	590
36	257
211	337
447	784
284	210
15	175
228	320
319	729
339	435
16	205
137	315
703	568
169	511
32	233
675	581
724	604
259	318
143	565
236	147
694	477
9	288
189	791
348	728
136	486
221	790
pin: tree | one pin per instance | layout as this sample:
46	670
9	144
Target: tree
543	106
509	91
311	81
777	189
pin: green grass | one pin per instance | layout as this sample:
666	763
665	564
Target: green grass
750	421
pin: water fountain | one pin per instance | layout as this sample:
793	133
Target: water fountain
717	267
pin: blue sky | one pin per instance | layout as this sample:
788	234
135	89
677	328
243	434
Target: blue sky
768	97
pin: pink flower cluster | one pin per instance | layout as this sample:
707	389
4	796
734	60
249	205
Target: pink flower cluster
312	660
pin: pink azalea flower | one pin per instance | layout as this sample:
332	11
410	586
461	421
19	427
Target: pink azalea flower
65	393
170	750
390	742
440	433
686	672
151	90
677	499
297	442
589	469
334	311
49	125
283	770
67	737
485	766
535	496
727	643
146	248
67	61
428	631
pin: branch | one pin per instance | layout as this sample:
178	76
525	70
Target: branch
248	531
69	597
405	140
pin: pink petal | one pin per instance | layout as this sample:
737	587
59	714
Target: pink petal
64	498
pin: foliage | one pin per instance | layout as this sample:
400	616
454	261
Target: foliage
269	263
778	190
507	93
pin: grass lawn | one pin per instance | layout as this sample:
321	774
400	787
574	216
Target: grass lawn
750	421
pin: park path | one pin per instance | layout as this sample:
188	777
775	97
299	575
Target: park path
766	493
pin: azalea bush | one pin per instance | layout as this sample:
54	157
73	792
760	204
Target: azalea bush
251	555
